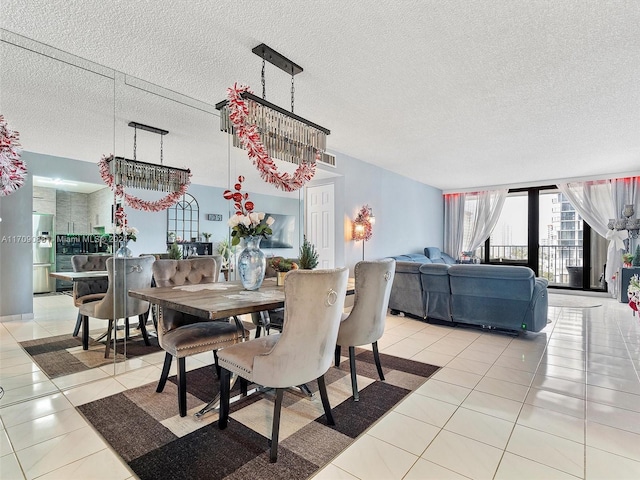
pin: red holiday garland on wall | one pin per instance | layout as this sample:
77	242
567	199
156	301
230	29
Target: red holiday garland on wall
12	170
248	134
135	202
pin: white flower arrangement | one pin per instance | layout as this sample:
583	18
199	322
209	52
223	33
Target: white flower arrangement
246	222
130	232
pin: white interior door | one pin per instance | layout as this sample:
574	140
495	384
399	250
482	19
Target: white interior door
320	225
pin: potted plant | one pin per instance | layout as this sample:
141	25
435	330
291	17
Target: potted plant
308	255
282	266
627	258
206	236
175	252
171	237
226	251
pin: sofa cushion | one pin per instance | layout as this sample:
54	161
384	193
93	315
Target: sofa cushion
433	253
437	256
492	281
412	257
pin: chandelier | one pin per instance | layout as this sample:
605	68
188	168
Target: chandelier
148	176
284	134
119	173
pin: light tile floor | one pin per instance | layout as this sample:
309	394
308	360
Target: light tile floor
563	403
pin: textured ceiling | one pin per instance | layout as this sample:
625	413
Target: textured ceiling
456	94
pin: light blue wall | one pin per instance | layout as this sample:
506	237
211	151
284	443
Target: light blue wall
409	217
409	214
16	252
153	225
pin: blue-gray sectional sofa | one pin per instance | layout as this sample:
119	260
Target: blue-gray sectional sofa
493	296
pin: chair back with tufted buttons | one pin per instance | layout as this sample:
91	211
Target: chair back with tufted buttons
89	290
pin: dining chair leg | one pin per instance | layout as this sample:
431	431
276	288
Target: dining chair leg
225	387
182	387
215	360
154	316
85	332
376	357
243	386
76	329
258	329
143	329
337	360
352	367
126	328
322	387
168	358
275	428
108	347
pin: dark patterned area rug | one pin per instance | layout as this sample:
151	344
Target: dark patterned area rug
63	354
144	427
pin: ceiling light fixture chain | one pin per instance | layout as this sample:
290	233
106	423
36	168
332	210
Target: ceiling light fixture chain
293	89
264	84
135	140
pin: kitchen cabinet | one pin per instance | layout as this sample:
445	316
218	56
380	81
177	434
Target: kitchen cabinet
72	212
63	264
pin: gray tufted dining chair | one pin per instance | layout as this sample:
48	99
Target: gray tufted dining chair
219	261
88	290
124	274
182	335
365	323
314	300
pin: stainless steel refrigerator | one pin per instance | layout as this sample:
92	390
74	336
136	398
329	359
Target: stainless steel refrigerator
43	253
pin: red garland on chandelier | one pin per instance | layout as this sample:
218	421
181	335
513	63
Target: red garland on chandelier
133	201
12	170
248	134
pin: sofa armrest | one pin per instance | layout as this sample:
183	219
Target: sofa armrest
539	306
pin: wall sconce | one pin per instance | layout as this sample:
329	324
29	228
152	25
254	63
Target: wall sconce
362	226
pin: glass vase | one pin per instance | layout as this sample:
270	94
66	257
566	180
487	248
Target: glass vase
123	250
252	264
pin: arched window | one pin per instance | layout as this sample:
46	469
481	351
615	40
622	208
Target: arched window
183	219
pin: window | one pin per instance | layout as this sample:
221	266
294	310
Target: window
540	228
183	219
509	237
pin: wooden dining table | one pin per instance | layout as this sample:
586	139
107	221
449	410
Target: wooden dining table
218	300
79	276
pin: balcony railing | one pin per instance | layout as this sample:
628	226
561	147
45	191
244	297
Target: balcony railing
560	264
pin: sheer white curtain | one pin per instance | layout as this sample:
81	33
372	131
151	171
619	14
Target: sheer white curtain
597	202
470	218
453	223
